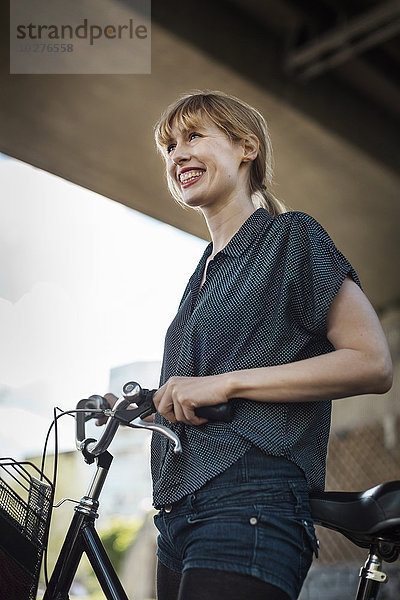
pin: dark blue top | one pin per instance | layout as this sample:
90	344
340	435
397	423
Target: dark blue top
264	302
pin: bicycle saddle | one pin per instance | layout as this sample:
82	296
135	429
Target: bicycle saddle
361	516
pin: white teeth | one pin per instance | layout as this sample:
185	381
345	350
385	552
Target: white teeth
188	175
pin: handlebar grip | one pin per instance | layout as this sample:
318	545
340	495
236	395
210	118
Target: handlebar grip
218	412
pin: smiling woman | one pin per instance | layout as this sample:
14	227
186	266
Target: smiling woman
274	321
212	162
234	118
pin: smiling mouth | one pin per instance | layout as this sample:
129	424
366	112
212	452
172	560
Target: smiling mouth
189	177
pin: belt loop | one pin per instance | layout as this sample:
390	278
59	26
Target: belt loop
297	496
243	472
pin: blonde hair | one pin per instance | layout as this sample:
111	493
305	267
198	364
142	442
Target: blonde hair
237	120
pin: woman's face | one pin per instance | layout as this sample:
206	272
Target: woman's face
206	165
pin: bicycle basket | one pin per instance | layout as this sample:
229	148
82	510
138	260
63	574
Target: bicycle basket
26	498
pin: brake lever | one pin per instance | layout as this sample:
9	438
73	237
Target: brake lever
142	408
168	433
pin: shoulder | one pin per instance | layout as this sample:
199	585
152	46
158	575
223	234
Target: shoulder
296	218
310	242
302	226
292	234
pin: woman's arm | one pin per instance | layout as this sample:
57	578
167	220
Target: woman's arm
360	364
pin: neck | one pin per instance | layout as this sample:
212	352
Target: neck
225	221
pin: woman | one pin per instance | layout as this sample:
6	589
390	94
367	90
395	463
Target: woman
274	321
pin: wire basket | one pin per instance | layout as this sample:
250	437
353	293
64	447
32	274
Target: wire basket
26	498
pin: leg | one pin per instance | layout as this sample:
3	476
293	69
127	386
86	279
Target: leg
168	582
210	584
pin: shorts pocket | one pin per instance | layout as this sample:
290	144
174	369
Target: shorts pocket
218	513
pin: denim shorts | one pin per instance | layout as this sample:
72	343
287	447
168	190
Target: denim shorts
252	519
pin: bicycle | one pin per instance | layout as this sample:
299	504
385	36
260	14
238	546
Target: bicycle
25	520
369	519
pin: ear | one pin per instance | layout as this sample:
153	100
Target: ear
250	147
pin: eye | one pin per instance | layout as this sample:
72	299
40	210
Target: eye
194	134
170	147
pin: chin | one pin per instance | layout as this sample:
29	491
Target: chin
194	202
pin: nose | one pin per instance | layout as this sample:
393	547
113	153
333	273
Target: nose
178	161
180	154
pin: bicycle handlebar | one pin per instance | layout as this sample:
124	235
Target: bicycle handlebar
141	403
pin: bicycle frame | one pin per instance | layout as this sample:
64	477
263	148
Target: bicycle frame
371	577
82	538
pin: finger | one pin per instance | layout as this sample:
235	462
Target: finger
184	413
170	416
190	418
164	404
111	399
168	413
157	398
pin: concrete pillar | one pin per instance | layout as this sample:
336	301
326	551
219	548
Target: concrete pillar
350	413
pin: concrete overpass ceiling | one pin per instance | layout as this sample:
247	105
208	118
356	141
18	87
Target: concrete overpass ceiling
324	73
338	78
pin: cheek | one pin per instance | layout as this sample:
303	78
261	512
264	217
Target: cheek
170	174
230	174
169	165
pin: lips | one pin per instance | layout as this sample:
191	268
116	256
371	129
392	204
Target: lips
190	175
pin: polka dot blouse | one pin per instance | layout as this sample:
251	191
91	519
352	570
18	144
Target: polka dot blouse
264	302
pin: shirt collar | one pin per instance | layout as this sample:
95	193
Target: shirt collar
247	232
237	244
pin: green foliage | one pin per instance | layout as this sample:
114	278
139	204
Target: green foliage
118	536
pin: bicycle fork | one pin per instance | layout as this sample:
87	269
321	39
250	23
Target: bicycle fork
82	537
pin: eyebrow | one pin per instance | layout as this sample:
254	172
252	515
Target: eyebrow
185	131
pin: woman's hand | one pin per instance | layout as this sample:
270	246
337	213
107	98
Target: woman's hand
177	399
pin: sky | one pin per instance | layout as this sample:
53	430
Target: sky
86	284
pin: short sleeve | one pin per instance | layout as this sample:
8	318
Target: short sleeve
316	271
